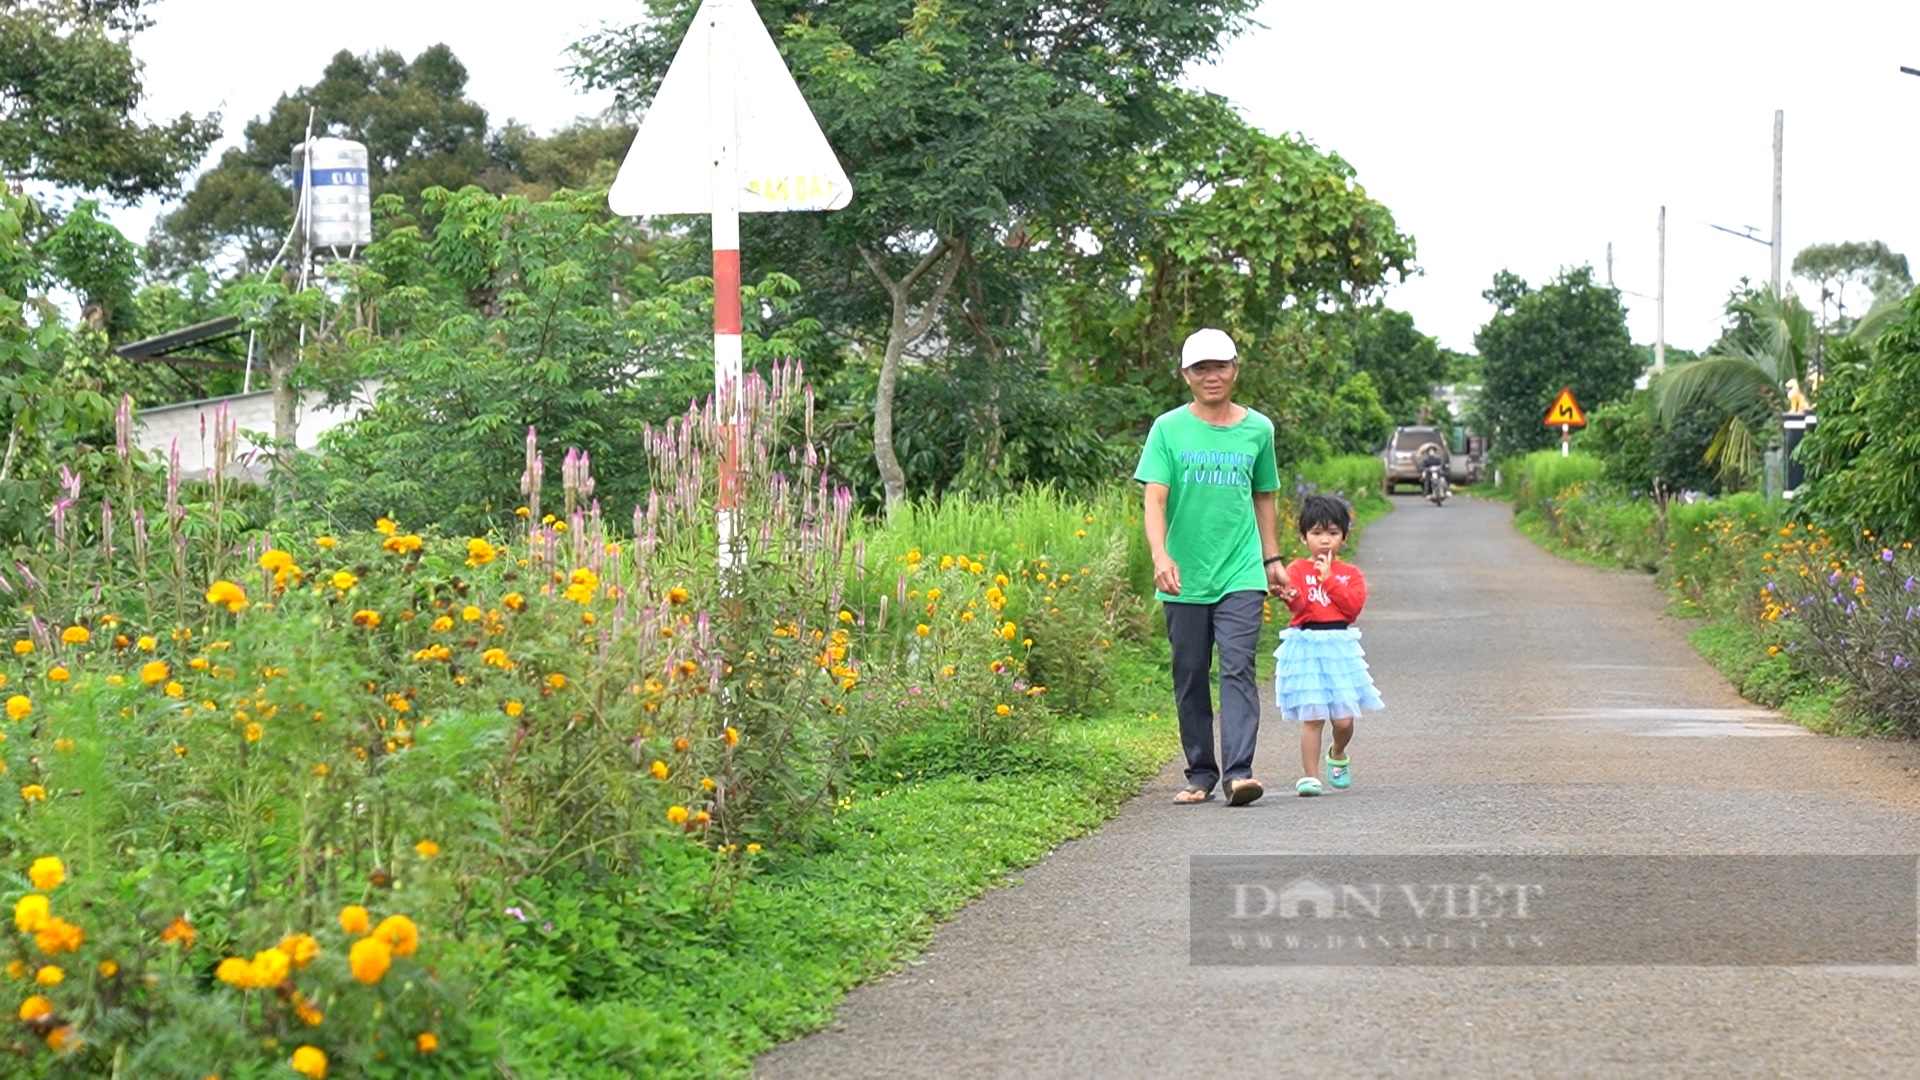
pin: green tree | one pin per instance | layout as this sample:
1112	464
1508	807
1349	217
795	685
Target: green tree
583	156
46	408
419	127
1863	458
961	120
1842	271
1405	364
70	91
1215	223
503	314
1570	333
1743	380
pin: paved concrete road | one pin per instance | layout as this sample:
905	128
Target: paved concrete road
1535	708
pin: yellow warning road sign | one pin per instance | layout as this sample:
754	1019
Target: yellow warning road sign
1566	411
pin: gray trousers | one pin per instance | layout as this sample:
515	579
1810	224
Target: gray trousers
1195	630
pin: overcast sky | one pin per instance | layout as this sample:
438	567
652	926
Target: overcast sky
1526	134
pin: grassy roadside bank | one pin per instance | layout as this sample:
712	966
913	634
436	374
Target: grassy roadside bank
933	822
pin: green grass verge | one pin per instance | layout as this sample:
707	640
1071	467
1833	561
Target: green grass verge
934	823
1739	652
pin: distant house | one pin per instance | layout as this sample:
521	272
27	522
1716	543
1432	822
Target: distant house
191	424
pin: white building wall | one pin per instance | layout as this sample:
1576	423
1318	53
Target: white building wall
192	424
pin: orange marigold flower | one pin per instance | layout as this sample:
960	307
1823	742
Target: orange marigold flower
59	673
514	708
402	545
677	814
180	930
480	552
304	1009
399	933
22	647
276	561
344	580
270	967
660	770
173	690
678	595
514	602
19	706
33	793
367	618
354	919
30	913
442	624
427	849
227	594
369	959
325	542
63	1038
154	671
35	1008
426	1042
108	969
235	972
385	527
732	737
76	635
310	1062
557	681
47	873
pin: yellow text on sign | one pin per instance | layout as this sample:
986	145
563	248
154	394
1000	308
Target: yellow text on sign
795	189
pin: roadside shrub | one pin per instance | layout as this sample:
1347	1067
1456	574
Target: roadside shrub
1855	618
1863	458
1604	525
1716	549
1539	477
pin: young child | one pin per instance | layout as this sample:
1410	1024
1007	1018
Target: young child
1322	673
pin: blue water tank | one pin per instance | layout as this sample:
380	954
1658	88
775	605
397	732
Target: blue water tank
339	211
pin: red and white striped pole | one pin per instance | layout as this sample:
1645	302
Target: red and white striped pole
724	128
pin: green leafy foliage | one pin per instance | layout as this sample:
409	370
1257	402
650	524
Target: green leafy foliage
968	125
504	315
421	131
1570	333
1863	457
1405	364
70	91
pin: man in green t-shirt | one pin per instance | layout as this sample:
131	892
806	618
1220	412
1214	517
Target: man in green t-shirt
1211	524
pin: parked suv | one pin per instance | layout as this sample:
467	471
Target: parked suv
1462	455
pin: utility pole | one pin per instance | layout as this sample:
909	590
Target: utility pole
1779	122
1660	302
1609	264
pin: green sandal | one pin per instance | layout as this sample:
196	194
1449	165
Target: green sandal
1340	773
1306	785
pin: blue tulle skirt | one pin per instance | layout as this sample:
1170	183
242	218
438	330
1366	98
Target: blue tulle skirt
1322	675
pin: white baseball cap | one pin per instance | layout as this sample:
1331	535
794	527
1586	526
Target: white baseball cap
1207	344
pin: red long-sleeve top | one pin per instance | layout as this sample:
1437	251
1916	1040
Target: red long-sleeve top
1337	599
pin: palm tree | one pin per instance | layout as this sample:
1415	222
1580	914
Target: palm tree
1744	377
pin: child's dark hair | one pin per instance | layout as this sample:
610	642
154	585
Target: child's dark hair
1325	510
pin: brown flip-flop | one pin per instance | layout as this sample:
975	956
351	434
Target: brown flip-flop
1242	792
1185	797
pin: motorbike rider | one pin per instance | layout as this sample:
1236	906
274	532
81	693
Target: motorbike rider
1430	462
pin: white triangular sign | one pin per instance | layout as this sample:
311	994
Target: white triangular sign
784	162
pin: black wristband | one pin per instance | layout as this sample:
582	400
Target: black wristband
1271	561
